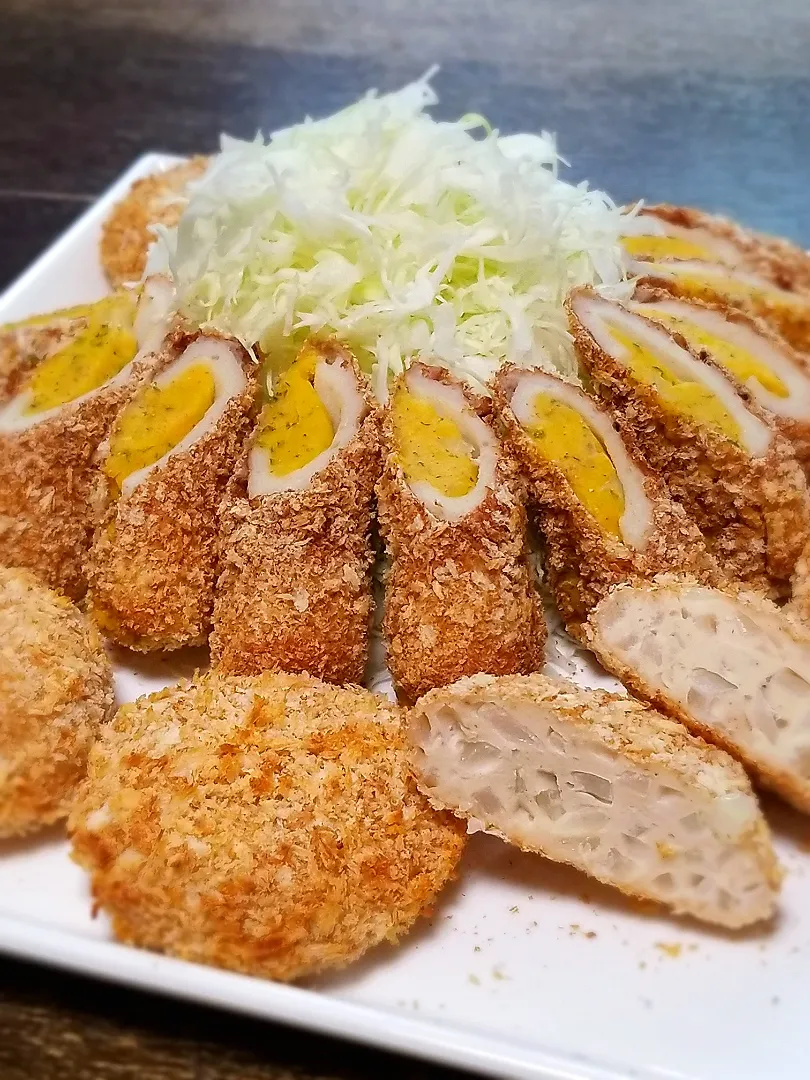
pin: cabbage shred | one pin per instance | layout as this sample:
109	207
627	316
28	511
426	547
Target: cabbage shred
399	234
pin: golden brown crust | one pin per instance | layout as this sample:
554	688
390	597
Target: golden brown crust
785	264
754	513
269	825
47	474
153	200
153	562
294	592
783	781
459	595
799	605
23	345
582	561
55	690
795	430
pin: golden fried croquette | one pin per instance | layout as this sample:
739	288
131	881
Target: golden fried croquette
731	470
603	783
23	344
294	593
729	664
749	351
268	824
163	473
51	425
154	200
459	592
605	517
55	691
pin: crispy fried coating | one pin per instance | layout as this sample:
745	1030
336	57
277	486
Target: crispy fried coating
154	557
754	512
603	783
786	264
799	605
459	594
24	344
729	664
153	200
796	430
294	592
266	824
47	473
55	691
582	561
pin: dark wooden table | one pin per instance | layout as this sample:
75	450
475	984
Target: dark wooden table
681	100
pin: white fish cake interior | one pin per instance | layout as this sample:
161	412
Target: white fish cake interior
648	236
552	776
316	410
569	430
114	334
447	452
174	411
770	373
683	383
734	666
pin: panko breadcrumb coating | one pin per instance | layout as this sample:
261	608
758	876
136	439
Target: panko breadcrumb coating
294	593
267	824
602	783
786	264
47	472
154	200
583	560
154	558
459	592
752	507
24	344
799	604
55	691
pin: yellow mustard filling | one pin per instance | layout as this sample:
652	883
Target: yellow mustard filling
734	358
295	425
649	246
158	419
563	436
430	446
733	287
685	396
89	360
120	307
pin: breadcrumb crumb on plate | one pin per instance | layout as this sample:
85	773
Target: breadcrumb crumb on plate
266	824
55	691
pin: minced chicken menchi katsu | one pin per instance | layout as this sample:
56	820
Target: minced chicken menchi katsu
424	398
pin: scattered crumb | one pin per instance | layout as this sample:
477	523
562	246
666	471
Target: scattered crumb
474	980
666	851
673	950
514	910
499	975
477	948
692	948
643	964
575	928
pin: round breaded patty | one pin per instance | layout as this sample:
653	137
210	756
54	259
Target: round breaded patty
55	690
266	824
126	235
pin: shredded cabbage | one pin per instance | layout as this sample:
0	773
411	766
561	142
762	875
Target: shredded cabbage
402	235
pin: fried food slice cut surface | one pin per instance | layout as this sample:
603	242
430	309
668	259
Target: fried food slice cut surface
604	784
730	665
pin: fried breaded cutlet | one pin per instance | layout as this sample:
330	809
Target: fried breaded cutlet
55	691
604	515
155	200
664	232
730	665
51	425
162	476
267	824
459	593
603	783
759	360
799	605
728	466
294	593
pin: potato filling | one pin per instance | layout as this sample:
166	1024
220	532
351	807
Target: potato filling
431	447
91	359
295	425
742	363
685	396
158	419
563	436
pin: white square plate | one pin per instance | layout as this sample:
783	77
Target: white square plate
526	970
